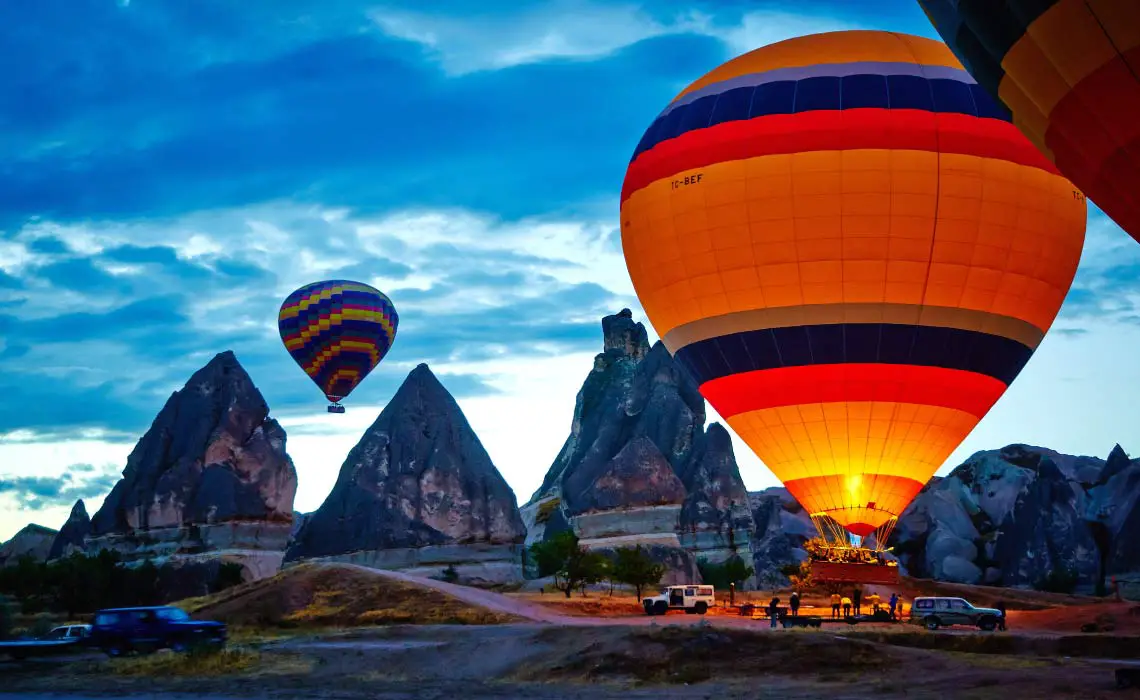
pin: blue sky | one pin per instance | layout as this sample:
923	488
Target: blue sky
171	169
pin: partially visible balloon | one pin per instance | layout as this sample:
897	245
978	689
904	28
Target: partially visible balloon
1067	71
851	249
337	331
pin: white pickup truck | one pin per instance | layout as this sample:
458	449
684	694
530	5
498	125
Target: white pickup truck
693	599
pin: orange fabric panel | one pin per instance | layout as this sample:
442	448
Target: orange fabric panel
864	226
832	47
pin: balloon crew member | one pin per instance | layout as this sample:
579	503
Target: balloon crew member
794	603
836	601
857	598
894	604
1000	607
846	606
773	608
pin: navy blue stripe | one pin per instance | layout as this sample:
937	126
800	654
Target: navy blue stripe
855	343
825	93
981	32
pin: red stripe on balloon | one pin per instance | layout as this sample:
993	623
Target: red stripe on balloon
793	386
834	130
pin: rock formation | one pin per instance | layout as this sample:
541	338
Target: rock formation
1025	516
73	533
33	540
210	479
782	526
418	492
637	413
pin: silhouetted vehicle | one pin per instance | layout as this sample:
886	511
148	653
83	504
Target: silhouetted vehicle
59	639
944	612
118	631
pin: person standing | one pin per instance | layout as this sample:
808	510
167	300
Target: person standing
835	602
794	603
894	602
857	599
773	608
846	606
873	599
1000	607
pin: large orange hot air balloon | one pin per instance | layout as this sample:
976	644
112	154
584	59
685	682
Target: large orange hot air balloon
854	252
1067	69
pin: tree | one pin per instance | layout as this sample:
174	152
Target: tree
571	565
732	571
736	571
633	566
450	574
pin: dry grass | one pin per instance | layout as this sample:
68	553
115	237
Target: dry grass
675	655
170	665
596	605
326	595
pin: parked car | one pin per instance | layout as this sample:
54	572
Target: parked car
82	633
945	612
57	640
120	630
692	599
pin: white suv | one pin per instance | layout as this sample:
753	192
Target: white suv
692	599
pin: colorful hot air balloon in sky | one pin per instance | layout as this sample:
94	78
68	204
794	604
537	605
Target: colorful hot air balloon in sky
1067	70
854	252
337	331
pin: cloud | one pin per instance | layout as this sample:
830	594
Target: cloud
81	354
582	30
80	481
1107	284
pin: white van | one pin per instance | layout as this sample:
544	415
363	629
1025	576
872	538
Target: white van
692	599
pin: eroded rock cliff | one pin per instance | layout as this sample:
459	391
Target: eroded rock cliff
72	535
1025	516
418	491
209	479
639	408
32	540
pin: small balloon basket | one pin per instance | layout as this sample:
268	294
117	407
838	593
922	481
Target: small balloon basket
885	574
336	408
841	557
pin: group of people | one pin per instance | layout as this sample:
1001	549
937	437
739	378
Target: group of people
849	605
854	604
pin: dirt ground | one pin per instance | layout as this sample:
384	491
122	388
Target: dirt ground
341	631
552	661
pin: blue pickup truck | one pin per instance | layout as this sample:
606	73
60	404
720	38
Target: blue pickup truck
118	631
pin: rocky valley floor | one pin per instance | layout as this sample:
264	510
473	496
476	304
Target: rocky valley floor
341	631
554	661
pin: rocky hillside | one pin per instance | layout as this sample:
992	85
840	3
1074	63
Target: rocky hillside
639	465
210	481
1026	516
417	490
72	536
33	540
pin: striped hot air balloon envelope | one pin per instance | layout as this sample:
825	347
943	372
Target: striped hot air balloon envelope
1068	71
854	252
337	331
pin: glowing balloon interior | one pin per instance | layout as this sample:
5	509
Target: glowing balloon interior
337	331
1067	70
854	252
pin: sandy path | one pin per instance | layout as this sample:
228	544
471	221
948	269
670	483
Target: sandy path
490	600
534	612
